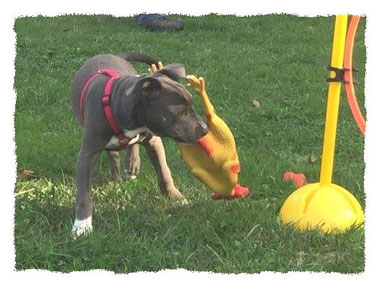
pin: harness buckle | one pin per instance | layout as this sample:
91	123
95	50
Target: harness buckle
106	100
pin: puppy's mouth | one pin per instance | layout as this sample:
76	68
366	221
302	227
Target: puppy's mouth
184	141
179	140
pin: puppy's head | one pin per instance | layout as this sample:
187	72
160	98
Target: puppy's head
165	107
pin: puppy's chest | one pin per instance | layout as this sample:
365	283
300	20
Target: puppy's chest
137	135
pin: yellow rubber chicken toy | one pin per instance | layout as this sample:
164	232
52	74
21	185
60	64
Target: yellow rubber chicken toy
214	159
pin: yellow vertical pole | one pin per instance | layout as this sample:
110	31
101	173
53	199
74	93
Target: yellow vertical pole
334	92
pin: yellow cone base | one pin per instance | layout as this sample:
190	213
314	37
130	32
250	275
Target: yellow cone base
328	207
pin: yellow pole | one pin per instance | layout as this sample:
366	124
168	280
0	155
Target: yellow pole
333	101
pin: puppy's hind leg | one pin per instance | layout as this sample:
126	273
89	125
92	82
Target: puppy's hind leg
114	159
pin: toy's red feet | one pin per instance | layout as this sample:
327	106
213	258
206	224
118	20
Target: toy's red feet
298	179
238	192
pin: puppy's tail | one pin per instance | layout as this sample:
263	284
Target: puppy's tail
138	57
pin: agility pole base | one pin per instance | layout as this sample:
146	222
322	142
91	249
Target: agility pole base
329	208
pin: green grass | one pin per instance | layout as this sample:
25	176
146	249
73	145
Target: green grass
279	60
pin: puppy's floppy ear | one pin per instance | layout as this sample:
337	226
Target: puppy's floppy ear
174	71
147	85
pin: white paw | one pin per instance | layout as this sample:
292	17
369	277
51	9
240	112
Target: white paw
179	201
128	176
82	227
184	202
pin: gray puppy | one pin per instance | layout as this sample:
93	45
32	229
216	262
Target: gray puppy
144	108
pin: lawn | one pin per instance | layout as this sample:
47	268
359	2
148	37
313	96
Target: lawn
278	60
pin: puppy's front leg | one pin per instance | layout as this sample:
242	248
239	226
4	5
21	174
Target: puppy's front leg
132	161
114	160
155	150
83	211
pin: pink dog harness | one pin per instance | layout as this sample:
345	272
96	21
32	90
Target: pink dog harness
107	94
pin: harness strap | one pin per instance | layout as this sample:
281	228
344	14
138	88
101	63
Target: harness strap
107	94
